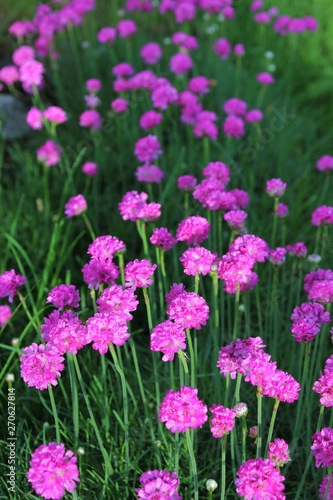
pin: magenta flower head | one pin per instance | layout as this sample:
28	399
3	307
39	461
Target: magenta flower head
259	478
282	210
122	70
182	410
75	206
319	285
239	50
138	274
9	283
41	365
278	452
223	420
325	163
324	385
168	337
31	74
119	105
254	116
34	118
49	153
64	296
193	230
105	247
197	260
180	63
277	257
150	174
106	328
322	492
307	320
235	106
55	115
64	331
151	52
322	447
199	85
23	54
235	219
234	126
187	309
275	188
5	315
93	85
91	119
90	168
53	471
298	249
148	149
150	119
9	75
132	205
107	34
163	239
322	215
126	28
159	484
118	301
186	182
265	79
222	48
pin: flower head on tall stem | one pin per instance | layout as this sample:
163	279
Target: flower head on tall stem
41	365
193	230
106	328
322	447
259	478
182	410
138	274
278	452
168	337
223	420
9	283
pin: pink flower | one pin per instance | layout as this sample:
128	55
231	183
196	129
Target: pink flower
182	410
324	385
164	94
233	356
235	219
168	337
259	478
322	215
55	114
278	452
180	63
53	471
282	210
265	79
21	28
90	168
5	315
148	149
123	70
322	493
277	257
251	245
9	75
119	105
184	11
49	153
104	248
235	106
262	17
307	320
298	249
223	420
193	230
90	118
205	128
97	273
118	301
222	48
138	273
163	239
319	285
9	283
217	170
197	260
185	41
126	28
93	85
150	212
199	85
151	53
186	182
254	116
92	101
139	5
256	5
235	268
31	73
106	328
64	296
149	173
75	206
234	126
281	385
275	188
325	163
41	365
239	50
189	310
34	118
107	34
150	119
132	205
64	331
322	447
159	482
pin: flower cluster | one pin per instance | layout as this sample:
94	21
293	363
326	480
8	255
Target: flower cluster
319	285
259	478
322	447
278	452
223	420
159	484
101	269
197	260
9	283
41	365
182	410
193	230
324	385
138	274
64	331
168	337
307	320
134	206
187	309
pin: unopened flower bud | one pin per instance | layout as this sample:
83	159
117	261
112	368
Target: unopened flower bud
211	485
254	432
10	377
241	410
80	451
15	341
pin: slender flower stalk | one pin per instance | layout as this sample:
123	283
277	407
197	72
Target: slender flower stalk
271	425
55	414
259	421
193	464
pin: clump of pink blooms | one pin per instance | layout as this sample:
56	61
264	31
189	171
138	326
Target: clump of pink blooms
107	34
182	410
193	230
275	188
162	238
134	207
76	205
307	320
235	219
322	447
159	484
9	283
90	168
278	452
117	300
90	119
149	173
150	119
148	149
323	492
49	153
325	163
64	296
322	215
282	210
222	48
180	63
197	260
187	309
277	256
265	79
138	274
119	105
298	249
168	337
234	126
223	420
53	471
319	285
324	385
64	331
259	478
105	328
151	53
186	182
5	315
41	365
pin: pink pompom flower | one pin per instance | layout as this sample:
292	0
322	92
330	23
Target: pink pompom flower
182	410
234	126
53	471
64	296
148	149
322	492
64	331
75	206
278	452
322	447
150	119
168	337
106	328
49	153
325	163
275	188
186	182
41	365
254	116
235	219
307	320
322	215
151	52
107	34
90	168
163	239
150	174
90	119
138	274
119	105
223	420
5	315
282	210
118	301
34	118
222	48
9	283
55	115
23	54
257	478
235	106
126	28
188	309
159	482
197	260
180	63
265	79
193	230
93	85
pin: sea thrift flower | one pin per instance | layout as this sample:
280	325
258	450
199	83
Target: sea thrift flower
150	119
148	149
197	260
106	328
319	285
282	210
193	230
9	75
265	79
9	283
175	290
21	28
251	245
281	385
64	331
222	48
41	365
122	70
325	163
151	53
138	273
31	74
93	85
34	118
64	296
184	11
278	452
126	28
159	483
298	249
104	248
75	206
254	116
234	126
182	410
259	478
256	5
55	114
223	420
184	40
205	128
322	447
132	204
322	215
5	315
235	269
90	118
235	106
275	188
97	273
277	257
180	63
262	17
186	182
168	337
235	219
232	356
90	168
323	488
217	170
23	54
119	105
118	301
149	173
324	385
106	35
163	95
241	410
163	239
307	320
150	212
189	310
53	471
92	101
199	85
239	50
49	153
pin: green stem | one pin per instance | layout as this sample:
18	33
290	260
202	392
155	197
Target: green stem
238	384
193	464
141	227
275	219
192	358
271	425
223	466
75	398
55	414
329	482
88	226
244	435
259	416
184	374
236	319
